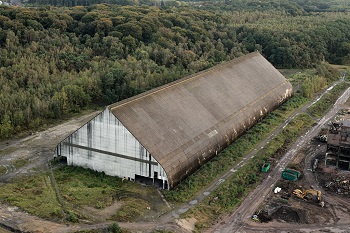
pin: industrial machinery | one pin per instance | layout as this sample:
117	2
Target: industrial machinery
309	194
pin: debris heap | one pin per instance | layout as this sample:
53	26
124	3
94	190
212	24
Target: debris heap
339	185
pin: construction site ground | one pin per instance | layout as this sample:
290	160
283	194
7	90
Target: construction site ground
284	207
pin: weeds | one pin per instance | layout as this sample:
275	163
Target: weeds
19	162
2	170
114	228
326	102
78	187
132	210
33	194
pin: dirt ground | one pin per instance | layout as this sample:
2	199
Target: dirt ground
334	184
36	148
285	207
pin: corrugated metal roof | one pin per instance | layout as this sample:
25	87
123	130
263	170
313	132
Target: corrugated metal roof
186	122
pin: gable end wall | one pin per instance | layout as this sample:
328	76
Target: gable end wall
104	144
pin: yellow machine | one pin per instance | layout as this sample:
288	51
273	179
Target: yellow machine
309	195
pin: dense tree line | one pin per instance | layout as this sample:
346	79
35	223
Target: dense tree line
70	3
55	61
294	7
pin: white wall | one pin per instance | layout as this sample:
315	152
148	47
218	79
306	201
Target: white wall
104	144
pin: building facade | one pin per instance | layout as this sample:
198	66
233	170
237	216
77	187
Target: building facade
105	145
165	134
338	145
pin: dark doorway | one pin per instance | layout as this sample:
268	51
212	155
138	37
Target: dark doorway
150	181
144	180
60	159
343	165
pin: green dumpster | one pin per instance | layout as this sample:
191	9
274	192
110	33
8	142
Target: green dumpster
265	167
290	174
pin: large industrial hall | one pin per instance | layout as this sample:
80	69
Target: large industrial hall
161	136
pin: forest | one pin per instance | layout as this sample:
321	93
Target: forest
59	60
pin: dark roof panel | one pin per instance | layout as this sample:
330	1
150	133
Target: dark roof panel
189	120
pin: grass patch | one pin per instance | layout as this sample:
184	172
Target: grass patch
2	170
78	187
290	72
132	210
17	163
231	193
33	194
341	68
327	100
113	228
83	187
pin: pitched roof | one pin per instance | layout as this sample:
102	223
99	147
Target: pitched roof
184	123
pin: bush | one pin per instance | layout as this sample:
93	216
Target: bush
114	228
72	217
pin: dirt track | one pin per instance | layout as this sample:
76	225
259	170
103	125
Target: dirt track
37	149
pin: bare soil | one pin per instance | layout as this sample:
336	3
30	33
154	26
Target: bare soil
284	207
101	215
38	148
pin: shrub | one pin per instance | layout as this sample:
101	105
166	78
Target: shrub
114	228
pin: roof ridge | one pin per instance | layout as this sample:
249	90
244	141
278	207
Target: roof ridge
182	80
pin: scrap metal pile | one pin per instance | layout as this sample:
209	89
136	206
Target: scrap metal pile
339	185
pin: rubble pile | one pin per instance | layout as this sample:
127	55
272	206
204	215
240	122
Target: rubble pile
321	138
339	185
263	216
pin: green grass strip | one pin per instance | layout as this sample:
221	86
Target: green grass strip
327	101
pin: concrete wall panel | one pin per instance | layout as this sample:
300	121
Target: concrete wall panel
104	144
